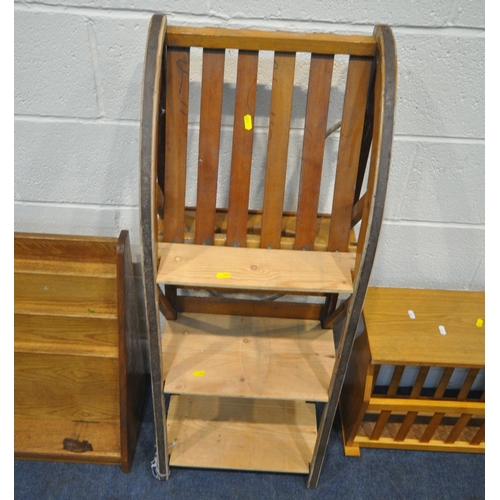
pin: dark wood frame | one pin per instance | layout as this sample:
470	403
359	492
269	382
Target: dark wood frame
377	134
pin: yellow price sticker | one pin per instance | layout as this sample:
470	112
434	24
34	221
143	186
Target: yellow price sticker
248	122
479	323
199	373
222	276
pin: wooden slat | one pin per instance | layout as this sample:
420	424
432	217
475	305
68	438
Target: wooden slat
419	381
245	434
405	405
395	381
246	356
415	444
405	426
443	382
266	308
479	436
379	426
176	142
462	421
277	149
466	386
254	268
353	116
431	428
241	158
208	159
321	43
320	80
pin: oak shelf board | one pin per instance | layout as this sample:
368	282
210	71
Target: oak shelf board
71	268
66	334
66	349
65	294
255	268
395	338
33	444
242	434
247	356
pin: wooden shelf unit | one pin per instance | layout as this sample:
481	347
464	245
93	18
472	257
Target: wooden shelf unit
78	365
404	330
243	372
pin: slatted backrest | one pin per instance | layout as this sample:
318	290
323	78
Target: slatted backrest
354	141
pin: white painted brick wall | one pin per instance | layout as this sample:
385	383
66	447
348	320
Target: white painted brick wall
78	71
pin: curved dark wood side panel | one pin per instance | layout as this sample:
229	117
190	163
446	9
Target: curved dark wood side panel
385	98
148	167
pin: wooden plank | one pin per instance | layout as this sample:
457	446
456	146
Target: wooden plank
241	157
479	436
353	116
357	389
64	248
66	387
132	372
245	434
68	335
321	43
66	440
176	142
466	386
148	150
254	269
462	421
246	356
415	444
405	426
404	405
431	428
65	267
395	381
318	96
379	426
208	157
443	382
277	149
390	327
266	308
419	381
61	294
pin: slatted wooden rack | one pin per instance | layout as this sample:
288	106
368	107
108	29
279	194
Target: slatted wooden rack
79	374
434	342
242	374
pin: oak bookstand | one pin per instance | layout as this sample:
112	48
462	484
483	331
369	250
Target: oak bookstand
79	375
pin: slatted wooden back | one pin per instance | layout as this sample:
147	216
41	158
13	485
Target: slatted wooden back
268	225
215	44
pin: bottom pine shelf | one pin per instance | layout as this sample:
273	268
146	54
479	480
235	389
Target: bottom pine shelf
240	433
